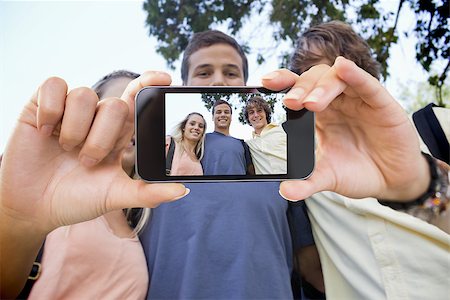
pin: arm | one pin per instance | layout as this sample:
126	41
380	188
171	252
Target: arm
167	143
62	166
19	245
308	265
306	256
248	159
366	145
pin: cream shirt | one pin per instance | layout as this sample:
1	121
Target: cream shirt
369	251
269	150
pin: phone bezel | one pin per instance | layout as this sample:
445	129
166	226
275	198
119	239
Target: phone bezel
150	127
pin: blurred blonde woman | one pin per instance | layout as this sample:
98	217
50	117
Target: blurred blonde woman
101	258
185	147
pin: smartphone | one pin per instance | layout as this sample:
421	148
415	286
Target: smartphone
285	151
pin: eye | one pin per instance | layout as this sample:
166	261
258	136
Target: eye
203	73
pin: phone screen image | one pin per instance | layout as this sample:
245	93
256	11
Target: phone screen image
219	134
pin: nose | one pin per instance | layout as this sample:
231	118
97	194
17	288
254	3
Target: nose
253	114
218	79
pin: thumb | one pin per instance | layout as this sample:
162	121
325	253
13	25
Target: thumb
136	193
294	190
149	78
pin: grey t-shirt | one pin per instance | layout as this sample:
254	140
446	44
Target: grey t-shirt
224	155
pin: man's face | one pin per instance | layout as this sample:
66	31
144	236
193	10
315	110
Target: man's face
222	116
257	118
216	65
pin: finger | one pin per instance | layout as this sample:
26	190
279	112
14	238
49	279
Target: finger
136	193
282	79
326	88
367	87
106	129
148	78
51	101
279	79
301	87
81	104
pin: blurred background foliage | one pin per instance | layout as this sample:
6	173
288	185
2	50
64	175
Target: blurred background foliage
173	22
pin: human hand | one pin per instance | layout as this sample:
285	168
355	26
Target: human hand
366	145
63	161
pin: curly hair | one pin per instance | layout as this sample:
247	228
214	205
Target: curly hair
328	41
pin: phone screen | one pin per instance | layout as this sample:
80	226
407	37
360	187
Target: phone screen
221	133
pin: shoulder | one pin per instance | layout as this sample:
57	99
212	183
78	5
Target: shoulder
275	128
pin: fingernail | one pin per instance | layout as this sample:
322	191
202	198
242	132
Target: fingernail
295	94
315	95
270	75
293	200
88	161
47	130
187	191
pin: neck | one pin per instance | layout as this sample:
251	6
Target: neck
259	130
223	130
128	169
188	145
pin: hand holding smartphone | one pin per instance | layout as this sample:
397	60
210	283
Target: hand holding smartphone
282	149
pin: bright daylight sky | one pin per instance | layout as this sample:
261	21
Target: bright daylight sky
82	41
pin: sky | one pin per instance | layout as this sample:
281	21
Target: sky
81	41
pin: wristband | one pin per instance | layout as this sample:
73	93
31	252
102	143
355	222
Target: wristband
435	200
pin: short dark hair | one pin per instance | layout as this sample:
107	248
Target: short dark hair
99	86
219	102
332	39
258	102
206	39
